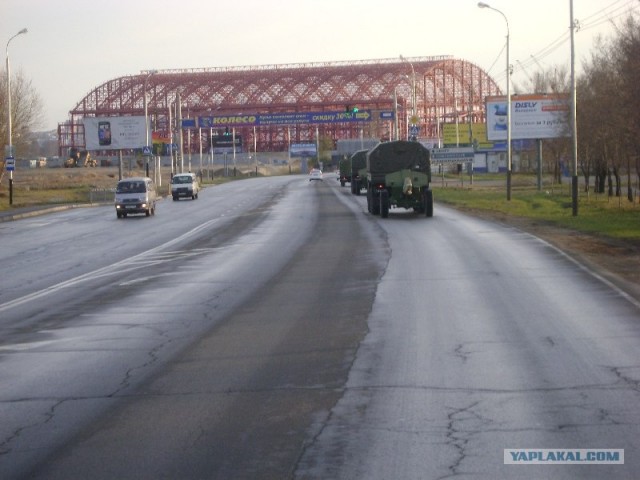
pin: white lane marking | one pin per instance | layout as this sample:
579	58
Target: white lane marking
127	264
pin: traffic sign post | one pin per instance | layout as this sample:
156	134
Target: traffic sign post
10	165
146	152
461	155
413	132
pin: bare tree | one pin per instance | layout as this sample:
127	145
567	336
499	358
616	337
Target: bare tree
27	111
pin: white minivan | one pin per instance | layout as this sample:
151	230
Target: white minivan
135	195
184	185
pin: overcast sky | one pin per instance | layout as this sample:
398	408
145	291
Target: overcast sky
73	46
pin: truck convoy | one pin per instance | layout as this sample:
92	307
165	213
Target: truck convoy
358	171
398	176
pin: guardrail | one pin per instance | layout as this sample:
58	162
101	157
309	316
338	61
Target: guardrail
102	195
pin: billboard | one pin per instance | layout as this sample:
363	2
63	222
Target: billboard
453	134
224	144
293	118
532	117
114	133
303	150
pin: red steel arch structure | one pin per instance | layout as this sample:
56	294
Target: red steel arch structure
446	90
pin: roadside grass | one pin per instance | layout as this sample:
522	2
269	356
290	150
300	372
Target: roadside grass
610	216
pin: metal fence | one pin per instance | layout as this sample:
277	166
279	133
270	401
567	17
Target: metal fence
102	195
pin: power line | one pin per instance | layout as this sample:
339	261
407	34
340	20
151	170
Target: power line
606	14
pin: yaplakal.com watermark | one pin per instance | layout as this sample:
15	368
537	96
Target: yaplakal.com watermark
531	456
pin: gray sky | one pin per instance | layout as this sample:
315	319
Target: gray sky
74	46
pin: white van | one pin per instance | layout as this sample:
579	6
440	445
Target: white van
135	195
184	185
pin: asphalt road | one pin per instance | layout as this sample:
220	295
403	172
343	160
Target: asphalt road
273	329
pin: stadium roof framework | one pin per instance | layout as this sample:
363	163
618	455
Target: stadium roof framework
438	89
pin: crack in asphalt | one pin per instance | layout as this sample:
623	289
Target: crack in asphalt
627	380
459	352
457	437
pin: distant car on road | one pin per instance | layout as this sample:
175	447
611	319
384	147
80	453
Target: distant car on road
315	174
184	185
135	195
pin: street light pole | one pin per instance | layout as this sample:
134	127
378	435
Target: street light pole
484	5
413	87
574	128
9	152
146	118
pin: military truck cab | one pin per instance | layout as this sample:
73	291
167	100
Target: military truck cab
399	176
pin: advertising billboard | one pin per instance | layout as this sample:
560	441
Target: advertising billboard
224	144
114	133
303	150
453	134
532	117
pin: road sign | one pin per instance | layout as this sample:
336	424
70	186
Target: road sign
464	154
10	164
413	130
146	151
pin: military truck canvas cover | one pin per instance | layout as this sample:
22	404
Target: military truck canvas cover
391	157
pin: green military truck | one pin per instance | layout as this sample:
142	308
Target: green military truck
358	171
398	176
344	171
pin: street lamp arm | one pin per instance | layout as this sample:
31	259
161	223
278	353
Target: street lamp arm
486	5
24	30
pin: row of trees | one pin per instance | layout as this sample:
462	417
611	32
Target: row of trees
609	110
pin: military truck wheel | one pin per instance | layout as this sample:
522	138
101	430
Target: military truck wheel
342	183
428	203
375	203
353	187
384	204
369	200
119	214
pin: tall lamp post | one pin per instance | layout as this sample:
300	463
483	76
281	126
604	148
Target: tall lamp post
413	87
574	127
484	5
146	117
9	152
